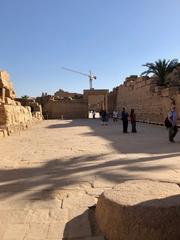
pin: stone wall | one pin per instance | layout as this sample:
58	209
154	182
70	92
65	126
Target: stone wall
112	100
66	109
13	116
151	102
73	106
35	107
97	99
63	94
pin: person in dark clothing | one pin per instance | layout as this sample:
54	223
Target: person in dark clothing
133	121
94	114
172	117
124	117
104	117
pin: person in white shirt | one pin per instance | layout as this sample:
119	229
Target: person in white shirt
115	116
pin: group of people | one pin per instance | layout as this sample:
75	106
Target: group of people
124	116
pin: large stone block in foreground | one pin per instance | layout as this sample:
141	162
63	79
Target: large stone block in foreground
140	210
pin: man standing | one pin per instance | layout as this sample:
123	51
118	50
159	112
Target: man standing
133	120
172	117
124	117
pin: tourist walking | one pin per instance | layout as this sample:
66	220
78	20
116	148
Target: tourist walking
124	117
115	116
133	121
172	117
104	117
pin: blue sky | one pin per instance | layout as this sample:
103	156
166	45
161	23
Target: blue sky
113	38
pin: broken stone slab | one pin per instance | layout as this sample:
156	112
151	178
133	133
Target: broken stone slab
140	209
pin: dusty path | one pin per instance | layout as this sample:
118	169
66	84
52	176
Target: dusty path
51	173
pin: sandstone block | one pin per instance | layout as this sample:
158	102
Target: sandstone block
4	80
141	209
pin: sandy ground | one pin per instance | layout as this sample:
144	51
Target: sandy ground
51	173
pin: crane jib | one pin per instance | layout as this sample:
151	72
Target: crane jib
90	76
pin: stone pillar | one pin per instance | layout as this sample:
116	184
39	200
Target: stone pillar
2	94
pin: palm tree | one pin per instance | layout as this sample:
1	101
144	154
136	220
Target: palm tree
25	97
160	69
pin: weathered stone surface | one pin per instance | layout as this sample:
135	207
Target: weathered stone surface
36	171
3	228
78	200
39	216
13	216
140	209
1	133
4	80
151	102
65	109
56	231
58	215
47	204
37	231
13	116
15	232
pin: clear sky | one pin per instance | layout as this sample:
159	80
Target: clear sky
113	38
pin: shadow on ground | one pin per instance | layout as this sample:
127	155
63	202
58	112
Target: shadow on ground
68	173
89	226
149	138
148	152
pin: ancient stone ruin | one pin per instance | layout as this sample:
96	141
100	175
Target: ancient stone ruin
65	105
13	116
151	102
140	209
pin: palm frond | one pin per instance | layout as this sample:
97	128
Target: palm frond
161	68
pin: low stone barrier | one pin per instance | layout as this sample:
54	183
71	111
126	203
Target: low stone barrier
140	210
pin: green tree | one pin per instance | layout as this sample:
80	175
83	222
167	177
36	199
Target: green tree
25	96
160	69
